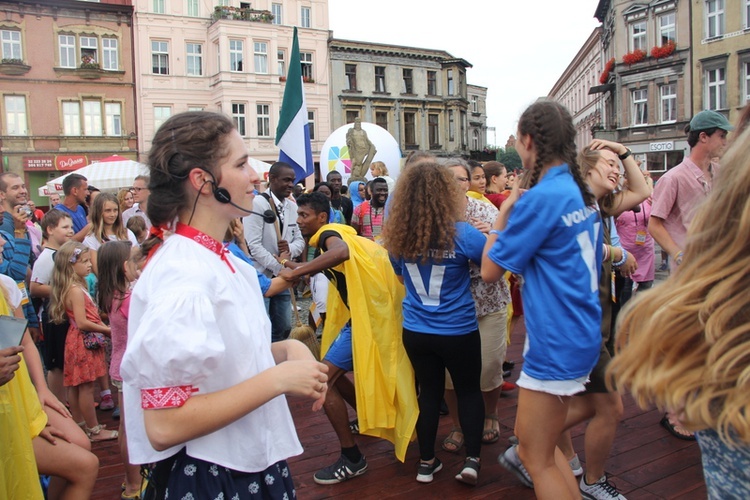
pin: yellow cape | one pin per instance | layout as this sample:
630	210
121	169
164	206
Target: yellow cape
384	379
479	196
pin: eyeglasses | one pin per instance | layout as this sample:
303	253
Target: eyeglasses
462	179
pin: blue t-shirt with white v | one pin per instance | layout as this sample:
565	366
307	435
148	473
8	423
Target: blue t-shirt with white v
438	298
555	242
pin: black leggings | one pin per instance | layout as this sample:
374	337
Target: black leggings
430	355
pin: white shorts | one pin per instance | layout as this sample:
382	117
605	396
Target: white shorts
555	387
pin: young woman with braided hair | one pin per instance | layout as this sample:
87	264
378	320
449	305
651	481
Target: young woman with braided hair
552	237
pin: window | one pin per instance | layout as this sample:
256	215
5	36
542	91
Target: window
194	53
746	81
350	70
305	17
71	118
667	29
238	116
113	118
433	130
381	119
432	83
280	59
276	11
159	57
640	107
351	116
475	141
668	103
714	18
67	51
261	57
15	115
89	49
11	44
235	55
196	108
311	124
451	88
408	87
474	104
638	36
716	88
379	78
307	65
159	7
109	54
264	120
410	129
746	13
92	118
161	113
451	126
223	3
192	8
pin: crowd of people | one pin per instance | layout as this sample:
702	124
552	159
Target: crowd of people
178	295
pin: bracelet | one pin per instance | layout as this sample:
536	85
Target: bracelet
621	261
495	232
605	253
282	262
627	153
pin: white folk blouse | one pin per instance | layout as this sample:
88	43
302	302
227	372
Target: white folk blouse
198	324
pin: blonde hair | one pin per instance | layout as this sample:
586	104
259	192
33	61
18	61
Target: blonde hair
686	345
97	219
64	278
121	194
379	168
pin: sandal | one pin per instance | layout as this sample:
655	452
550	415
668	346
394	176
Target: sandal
354	426
676	430
138	495
491	434
95	433
453	445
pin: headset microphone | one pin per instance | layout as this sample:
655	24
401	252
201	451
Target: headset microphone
268	216
222	196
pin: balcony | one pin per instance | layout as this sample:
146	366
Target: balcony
13	67
239	14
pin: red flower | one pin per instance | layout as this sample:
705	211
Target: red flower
634	57
665	50
604	78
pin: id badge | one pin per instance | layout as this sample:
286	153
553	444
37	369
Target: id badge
640	238
24	294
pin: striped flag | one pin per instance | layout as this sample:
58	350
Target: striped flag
293	132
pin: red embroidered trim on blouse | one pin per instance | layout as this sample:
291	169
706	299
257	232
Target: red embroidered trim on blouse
201	238
166	397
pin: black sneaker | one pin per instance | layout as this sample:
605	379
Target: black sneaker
470	472
342	470
425	470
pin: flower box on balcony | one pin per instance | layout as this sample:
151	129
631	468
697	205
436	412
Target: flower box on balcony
634	57
665	50
13	67
229	12
608	68
308	79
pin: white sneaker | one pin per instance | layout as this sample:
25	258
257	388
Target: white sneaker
600	490
575	465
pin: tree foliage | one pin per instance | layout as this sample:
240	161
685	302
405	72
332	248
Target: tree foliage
509	157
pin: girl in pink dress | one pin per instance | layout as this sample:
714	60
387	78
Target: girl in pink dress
69	297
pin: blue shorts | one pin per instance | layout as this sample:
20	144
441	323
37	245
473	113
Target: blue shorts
340	352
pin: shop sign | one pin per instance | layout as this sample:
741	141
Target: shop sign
70	162
38	163
661	146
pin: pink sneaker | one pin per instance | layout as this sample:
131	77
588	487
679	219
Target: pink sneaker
107	403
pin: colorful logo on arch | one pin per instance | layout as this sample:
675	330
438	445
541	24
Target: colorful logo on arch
339	156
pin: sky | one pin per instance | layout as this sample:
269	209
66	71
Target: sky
518	49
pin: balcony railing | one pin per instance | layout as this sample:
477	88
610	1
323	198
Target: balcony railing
238	14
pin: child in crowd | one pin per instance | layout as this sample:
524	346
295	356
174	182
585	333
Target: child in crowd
552	237
69	297
118	270
202	383
57	228
137	225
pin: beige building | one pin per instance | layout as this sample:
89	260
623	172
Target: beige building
228	57
647	78
477	117
572	89
721	51
66	85
419	95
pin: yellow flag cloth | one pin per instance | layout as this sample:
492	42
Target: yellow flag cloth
21	420
479	196
383	375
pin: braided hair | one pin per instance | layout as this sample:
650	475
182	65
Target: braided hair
550	126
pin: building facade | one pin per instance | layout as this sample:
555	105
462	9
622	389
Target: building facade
420	96
572	89
646	82
229	57
721	51
67	85
477	117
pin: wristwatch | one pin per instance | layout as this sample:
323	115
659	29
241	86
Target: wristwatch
627	153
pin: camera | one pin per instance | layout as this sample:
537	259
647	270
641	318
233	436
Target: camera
27	210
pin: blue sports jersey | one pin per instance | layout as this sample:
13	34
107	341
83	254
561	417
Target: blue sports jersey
555	242
438	298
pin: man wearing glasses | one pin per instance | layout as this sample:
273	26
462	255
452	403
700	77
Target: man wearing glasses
140	197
